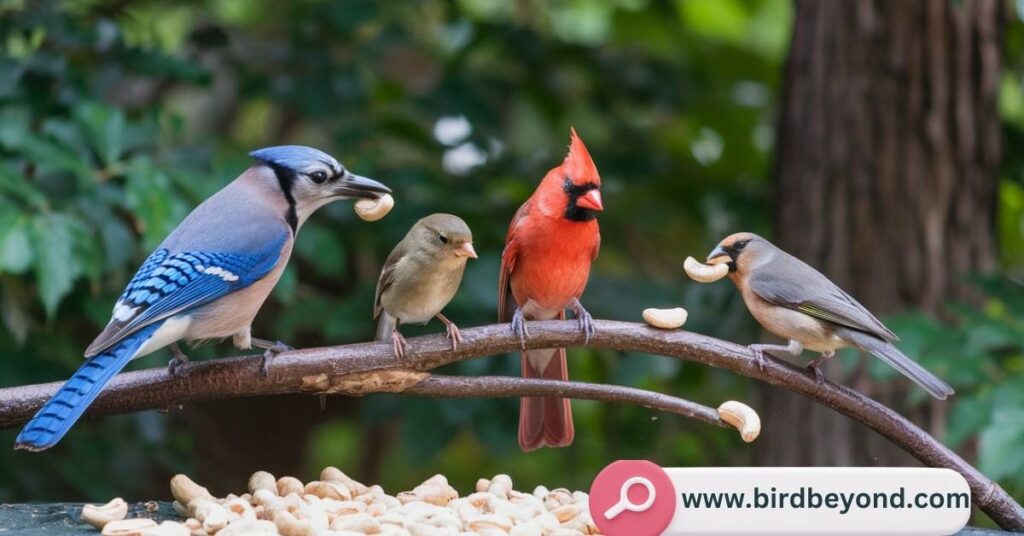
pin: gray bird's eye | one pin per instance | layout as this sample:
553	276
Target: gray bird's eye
741	244
442	239
318	176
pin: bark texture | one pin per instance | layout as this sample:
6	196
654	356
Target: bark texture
888	147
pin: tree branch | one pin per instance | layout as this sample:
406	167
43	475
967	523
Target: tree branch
307	370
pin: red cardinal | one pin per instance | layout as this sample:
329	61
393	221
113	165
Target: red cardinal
551	242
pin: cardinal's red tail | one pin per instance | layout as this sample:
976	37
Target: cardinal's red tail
545	421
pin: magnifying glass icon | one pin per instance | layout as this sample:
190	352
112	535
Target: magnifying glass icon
624	502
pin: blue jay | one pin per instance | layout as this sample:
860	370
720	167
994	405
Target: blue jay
208	278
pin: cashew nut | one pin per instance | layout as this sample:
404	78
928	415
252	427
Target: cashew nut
328	490
289	525
665	318
98	516
185	490
374	209
248	526
127	527
742	417
212	515
168	528
289	484
704	273
262	480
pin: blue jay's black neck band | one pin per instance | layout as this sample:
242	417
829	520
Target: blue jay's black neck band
286	179
574	212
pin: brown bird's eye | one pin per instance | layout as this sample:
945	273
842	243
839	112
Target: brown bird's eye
442	238
741	244
318	176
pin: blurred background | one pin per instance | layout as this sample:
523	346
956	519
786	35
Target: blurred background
880	141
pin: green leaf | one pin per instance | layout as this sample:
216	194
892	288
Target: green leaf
1001	443
55	265
106	130
15	244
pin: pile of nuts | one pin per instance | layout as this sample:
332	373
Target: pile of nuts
336	505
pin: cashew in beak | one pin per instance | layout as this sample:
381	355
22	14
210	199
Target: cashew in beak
374	209
665	318
704	273
743	417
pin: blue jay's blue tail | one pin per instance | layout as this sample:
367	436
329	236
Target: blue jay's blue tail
58	415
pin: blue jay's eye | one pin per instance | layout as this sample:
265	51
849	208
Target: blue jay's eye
318	176
442	239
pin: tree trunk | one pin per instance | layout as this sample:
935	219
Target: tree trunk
888	148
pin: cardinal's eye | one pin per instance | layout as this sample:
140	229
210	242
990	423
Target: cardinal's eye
318	176
442	239
567	185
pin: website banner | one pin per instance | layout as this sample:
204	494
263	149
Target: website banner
639	498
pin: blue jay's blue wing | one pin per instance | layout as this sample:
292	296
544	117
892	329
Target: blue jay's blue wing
168	284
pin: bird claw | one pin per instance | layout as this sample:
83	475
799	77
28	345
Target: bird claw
178	360
269	353
399	344
758	355
519	327
586	324
819	376
453	335
174	366
583	320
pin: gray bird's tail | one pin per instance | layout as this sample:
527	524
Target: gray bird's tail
895	358
385	326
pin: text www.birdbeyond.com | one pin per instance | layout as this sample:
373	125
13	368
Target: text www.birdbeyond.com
810	498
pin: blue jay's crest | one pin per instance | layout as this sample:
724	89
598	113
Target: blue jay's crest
296	158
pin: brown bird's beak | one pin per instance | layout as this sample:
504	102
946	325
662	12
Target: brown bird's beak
466	250
591	201
719	255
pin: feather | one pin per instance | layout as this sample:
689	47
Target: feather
60	413
169	284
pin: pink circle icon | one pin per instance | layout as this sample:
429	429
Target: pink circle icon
632	498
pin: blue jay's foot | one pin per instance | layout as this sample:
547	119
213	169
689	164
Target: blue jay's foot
178	360
519	327
452	331
271	349
815	365
794	348
399	343
583	320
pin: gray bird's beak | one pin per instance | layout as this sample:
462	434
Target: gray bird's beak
719	251
352	185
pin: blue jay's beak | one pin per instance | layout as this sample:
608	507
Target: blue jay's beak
352	185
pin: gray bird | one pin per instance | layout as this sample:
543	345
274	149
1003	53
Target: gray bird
796	302
420	277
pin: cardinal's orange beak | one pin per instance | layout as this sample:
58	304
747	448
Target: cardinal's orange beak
591	201
466	250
